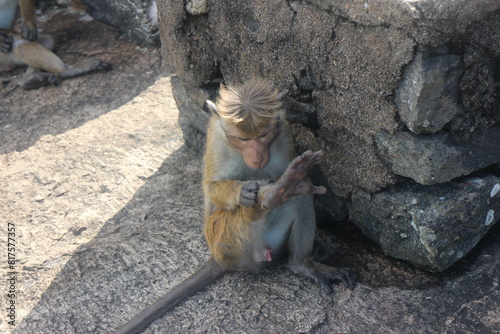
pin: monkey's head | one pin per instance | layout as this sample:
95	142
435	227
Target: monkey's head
250	116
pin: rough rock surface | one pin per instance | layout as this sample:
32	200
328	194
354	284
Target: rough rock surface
135	18
416	219
355	70
428	96
438	158
108	217
50	193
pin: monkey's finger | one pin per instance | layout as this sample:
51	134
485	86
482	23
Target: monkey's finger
299	161
318	156
318	190
314	159
248	200
250	187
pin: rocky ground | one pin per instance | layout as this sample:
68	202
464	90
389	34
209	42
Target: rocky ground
107	211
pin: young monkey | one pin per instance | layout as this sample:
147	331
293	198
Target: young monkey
258	204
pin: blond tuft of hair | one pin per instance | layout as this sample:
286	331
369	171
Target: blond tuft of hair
251	106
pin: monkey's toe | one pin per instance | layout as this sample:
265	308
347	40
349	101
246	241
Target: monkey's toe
344	275
103	66
94	64
328	288
54	80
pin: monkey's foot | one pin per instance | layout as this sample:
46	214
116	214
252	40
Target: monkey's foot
40	79
326	277
98	65
103	66
293	181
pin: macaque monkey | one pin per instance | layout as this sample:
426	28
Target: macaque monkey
15	50
258	204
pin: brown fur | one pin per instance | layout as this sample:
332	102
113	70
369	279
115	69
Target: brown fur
228	225
250	107
223	194
228	233
29	29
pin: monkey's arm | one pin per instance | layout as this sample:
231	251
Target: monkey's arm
229	194
28	29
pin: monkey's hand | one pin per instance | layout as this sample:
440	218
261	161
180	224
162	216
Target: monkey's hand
249	194
293	182
29	31
5	42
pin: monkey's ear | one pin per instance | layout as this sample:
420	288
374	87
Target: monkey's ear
282	95
212	107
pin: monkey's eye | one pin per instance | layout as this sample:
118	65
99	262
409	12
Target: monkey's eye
243	139
265	134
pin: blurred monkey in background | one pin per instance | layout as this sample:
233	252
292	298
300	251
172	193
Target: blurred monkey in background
22	49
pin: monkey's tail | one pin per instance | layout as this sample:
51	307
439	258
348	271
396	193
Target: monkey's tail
209	273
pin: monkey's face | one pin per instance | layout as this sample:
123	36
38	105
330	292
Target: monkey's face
255	149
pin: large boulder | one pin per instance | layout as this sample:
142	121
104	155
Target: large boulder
427	98
438	158
366	80
136	19
414	222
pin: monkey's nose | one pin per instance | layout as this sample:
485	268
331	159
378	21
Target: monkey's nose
256	165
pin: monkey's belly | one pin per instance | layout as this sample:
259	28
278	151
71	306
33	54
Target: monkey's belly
278	224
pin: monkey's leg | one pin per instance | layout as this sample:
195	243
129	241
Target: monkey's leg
84	67
300	244
28	28
235	238
33	79
38	55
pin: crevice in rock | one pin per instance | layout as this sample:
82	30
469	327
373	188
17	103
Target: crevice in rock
213	85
